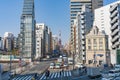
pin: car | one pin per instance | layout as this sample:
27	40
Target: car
79	65
57	65
52	65
65	65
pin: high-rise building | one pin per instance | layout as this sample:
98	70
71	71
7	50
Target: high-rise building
27	30
82	24
107	19
55	41
43	40
75	7
8	41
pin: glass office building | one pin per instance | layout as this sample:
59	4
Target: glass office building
27	30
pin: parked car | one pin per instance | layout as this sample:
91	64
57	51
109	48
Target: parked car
57	65
52	65
65	65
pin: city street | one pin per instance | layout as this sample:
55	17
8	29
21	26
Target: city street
38	67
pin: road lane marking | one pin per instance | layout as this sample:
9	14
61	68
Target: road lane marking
42	76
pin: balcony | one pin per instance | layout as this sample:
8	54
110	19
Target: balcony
114	26
82	27
83	42
114	19
83	48
113	7
115	38
114	32
82	31
114	13
82	13
82	22
83	58
82	17
117	43
83	37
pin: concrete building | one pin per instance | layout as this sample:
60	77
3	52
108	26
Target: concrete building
43	40
115	30
97	47
27	31
75	7
107	19
15	43
8	41
82	24
55	42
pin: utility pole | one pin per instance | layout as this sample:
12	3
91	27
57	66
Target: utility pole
73	60
10	61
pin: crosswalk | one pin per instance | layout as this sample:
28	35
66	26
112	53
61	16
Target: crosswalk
24	77
66	75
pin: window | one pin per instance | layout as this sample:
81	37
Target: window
95	43
89	47
100	41
89	42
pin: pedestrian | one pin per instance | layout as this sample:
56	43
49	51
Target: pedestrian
60	73
47	74
35	75
85	69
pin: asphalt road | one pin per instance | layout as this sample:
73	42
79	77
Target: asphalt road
38	68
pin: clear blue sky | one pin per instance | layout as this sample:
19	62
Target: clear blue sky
54	13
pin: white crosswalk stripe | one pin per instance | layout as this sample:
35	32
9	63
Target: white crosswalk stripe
24	77
56	75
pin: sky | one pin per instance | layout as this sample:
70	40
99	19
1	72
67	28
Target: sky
54	13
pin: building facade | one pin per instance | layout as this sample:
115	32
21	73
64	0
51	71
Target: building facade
43	40
27	31
83	23
97	47
8	41
107	19
75	7
115	30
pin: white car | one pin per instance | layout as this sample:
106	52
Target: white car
52	65
65	65
79	65
57	65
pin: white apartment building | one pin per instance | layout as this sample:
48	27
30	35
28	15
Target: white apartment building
75	7
107	19
8	41
82	24
42	40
